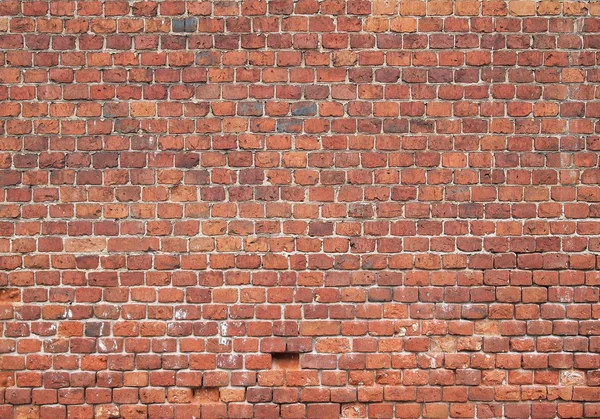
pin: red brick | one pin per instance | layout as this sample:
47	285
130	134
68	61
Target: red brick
308	201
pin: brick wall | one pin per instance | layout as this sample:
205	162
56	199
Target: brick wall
299	209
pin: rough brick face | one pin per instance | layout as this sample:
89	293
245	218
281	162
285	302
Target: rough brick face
299	209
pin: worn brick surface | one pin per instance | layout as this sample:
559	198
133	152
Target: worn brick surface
299	209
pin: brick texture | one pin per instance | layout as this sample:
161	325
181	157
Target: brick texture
299	209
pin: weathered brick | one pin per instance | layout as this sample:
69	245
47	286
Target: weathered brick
301	208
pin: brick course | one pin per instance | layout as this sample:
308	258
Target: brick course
299	209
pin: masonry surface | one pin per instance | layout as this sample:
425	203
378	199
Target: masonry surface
299	209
